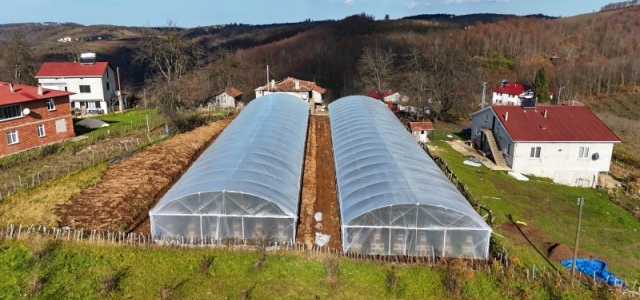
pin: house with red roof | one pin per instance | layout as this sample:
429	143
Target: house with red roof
420	131
568	144
388	96
230	97
511	94
92	83
306	90
32	116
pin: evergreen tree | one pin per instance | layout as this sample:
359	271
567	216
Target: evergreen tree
540	86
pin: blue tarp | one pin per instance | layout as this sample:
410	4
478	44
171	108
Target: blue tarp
595	267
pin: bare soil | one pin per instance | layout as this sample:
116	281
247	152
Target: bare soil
129	188
319	186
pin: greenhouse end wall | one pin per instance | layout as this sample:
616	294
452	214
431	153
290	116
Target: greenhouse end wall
393	198
246	185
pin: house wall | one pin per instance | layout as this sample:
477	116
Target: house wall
505	99
560	162
484	119
315	96
225	100
420	136
99	96
27	126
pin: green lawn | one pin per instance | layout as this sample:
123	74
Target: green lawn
46	269
608	231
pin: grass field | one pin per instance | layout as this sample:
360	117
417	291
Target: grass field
47	269
608	231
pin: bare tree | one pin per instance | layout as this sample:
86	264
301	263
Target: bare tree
18	60
170	55
376	69
167	52
225	68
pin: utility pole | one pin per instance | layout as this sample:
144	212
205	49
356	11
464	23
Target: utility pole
120	106
267	79
575	249
484	91
146	113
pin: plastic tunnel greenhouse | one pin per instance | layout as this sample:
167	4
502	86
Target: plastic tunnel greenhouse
246	185
393	197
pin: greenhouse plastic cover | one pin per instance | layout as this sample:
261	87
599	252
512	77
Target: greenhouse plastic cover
393	198
246	185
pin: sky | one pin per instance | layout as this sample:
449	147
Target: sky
193	13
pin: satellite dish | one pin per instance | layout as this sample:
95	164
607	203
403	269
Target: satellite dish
26	111
304	96
595	156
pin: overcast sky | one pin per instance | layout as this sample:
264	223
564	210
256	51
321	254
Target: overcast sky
192	13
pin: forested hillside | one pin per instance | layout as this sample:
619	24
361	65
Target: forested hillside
585	56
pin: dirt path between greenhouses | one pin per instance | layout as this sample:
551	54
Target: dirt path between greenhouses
319	187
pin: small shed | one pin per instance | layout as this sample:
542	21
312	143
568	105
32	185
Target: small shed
420	131
231	97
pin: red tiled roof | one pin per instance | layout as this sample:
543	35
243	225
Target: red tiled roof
71	69
562	124
376	95
421	125
289	84
512	89
233	92
25	93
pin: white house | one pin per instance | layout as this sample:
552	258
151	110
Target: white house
231	97
306	90
94	83
420	131
568	144
388	96
511	94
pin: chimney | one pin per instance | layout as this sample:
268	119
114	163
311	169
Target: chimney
273	83
506	116
11	88
545	114
40	93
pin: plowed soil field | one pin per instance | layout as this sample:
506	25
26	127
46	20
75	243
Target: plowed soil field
319	187
129	188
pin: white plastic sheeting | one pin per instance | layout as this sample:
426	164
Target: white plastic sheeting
246	185
393	197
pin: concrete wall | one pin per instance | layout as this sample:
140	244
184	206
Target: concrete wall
560	162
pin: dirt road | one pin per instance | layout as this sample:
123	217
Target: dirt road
319	186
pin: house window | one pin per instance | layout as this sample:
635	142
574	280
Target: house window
85	89
51	104
12	137
535	152
583	152
10	112
107	86
486	117
421	131
41	130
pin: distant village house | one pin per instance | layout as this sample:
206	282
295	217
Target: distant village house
93	83
230	97
308	91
